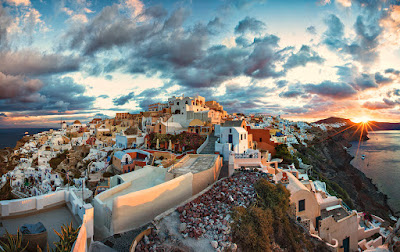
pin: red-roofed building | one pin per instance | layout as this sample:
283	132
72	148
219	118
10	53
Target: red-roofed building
262	138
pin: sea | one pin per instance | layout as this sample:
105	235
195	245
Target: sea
381	163
9	137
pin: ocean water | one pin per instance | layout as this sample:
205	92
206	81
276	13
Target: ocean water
381	163
9	137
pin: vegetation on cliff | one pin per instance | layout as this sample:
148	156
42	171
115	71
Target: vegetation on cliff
283	153
267	225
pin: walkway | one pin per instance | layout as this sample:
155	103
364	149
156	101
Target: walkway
210	147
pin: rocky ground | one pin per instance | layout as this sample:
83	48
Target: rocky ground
204	223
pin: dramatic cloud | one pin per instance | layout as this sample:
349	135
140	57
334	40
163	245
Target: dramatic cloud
45	96
336	90
365	81
249	24
302	57
261	62
291	94
361	81
367	34
31	62
393	92
392	71
377	105
185	56
335	32
18	87
363	48
122	100
229	57
380	79
71	98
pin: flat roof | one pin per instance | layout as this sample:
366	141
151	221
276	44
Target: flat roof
52	219
195	164
337	212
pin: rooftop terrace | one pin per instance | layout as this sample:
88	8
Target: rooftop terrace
52	218
194	164
338	212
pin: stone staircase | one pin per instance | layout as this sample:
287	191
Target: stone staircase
210	147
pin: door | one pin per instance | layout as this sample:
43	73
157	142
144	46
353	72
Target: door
230	140
317	223
346	244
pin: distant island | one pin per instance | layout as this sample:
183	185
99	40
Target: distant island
373	124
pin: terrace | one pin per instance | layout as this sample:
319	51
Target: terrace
338	212
193	164
53	210
52	218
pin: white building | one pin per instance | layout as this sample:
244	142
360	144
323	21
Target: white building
76	126
232	140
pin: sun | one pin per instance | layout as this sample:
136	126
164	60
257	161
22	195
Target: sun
362	119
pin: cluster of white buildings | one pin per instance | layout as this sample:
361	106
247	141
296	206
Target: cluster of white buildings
155	181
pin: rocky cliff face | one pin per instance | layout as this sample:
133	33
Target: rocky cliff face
331	161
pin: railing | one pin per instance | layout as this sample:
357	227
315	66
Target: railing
255	155
346	207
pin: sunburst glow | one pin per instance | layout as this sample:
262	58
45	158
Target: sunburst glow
362	119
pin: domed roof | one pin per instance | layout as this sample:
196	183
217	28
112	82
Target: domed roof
77	122
196	122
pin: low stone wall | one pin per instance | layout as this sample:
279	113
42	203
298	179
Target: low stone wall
22	206
138	208
205	178
85	236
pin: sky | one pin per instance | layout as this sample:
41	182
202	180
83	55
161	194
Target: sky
301	59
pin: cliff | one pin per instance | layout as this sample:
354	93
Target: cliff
331	163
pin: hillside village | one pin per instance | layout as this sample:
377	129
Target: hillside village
123	173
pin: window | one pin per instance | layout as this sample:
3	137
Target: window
260	139
177	103
302	205
241	136
230	130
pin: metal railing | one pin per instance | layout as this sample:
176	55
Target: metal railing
255	155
